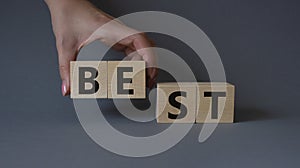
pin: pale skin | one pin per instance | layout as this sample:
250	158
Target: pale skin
74	25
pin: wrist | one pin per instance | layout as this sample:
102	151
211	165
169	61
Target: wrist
54	4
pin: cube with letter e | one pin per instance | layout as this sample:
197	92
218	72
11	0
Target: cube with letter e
178	102
108	79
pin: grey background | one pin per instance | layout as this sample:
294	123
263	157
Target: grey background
259	45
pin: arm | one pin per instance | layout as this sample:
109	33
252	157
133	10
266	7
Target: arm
74	21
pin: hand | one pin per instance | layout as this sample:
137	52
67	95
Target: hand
75	24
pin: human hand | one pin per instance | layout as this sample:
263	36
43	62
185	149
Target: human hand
75	24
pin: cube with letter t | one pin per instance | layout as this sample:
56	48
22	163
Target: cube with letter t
215	102
203	102
178	102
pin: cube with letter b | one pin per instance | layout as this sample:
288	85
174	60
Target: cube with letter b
183	102
108	79
88	79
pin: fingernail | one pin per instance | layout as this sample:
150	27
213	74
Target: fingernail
64	88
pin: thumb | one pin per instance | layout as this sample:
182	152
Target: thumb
64	58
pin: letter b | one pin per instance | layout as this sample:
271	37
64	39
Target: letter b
91	80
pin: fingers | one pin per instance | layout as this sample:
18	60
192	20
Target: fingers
119	47
142	46
131	55
65	56
113	33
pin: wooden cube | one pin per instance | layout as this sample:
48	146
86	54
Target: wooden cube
88	79
127	79
215	103
176	102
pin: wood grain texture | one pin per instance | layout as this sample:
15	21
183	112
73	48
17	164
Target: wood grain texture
164	91
225	106
101	78
138	82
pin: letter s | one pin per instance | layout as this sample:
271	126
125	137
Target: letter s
178	105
